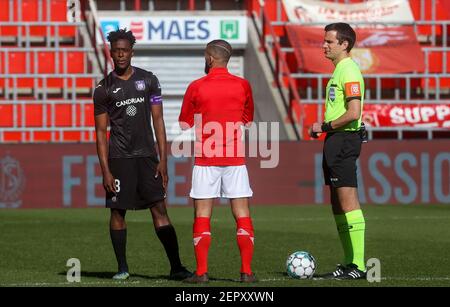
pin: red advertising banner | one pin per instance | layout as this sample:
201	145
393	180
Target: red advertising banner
68	176
377	50
390	115
412	115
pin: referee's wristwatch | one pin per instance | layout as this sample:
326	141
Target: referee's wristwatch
326	126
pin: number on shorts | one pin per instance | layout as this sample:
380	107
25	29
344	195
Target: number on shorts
117	182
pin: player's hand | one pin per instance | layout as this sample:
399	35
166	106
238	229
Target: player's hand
109	183
315	130
161	169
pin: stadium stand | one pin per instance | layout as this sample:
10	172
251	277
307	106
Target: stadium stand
52	55
304	90
47	72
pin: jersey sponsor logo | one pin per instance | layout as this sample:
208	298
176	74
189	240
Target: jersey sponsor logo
129	101
116	90
332	93
352	89
131	110
140	85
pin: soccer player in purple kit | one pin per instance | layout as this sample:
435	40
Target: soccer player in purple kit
133	176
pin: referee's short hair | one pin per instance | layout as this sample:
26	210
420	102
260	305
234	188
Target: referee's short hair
219	49
114	36
344	32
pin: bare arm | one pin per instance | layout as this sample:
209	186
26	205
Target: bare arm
160	132
101	125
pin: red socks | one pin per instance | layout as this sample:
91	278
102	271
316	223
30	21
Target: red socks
245	240
202	241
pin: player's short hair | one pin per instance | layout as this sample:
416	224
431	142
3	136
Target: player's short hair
114	36
219	49
344	32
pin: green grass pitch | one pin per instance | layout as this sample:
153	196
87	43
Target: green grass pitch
411	241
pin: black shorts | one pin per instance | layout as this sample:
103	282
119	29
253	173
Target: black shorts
136	185
340	152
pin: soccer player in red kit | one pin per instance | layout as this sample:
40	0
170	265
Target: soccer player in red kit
218	105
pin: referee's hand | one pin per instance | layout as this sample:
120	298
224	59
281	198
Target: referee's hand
315	130
162	169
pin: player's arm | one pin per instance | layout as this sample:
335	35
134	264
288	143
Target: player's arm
160	129
186	118
249	106
352	93
101	127
353	113
160	132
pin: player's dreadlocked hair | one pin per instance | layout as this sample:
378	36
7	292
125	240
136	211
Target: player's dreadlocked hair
114	36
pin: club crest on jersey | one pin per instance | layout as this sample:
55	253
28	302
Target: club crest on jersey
140	85
332	94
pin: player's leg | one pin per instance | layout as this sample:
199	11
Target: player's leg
351	227
118	233
340	154
352	224
124	172
339	218
201	233
245	236
151	194
335	205
205	188
168	237
236	187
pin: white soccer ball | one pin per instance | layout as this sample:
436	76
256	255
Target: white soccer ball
301	265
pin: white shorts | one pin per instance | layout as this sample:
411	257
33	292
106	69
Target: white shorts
220	181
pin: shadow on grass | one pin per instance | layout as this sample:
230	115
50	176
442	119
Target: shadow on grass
109	275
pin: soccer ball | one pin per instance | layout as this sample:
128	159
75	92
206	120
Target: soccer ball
301	265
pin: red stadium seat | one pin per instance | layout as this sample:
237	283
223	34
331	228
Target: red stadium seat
82	82
75	62
55	83
46	62
13	137
18	65
2	62
59	13
4	12
6	115
72	136
4	16
58	10
30	10
17	62
64	118
89	115
42	136
33	115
